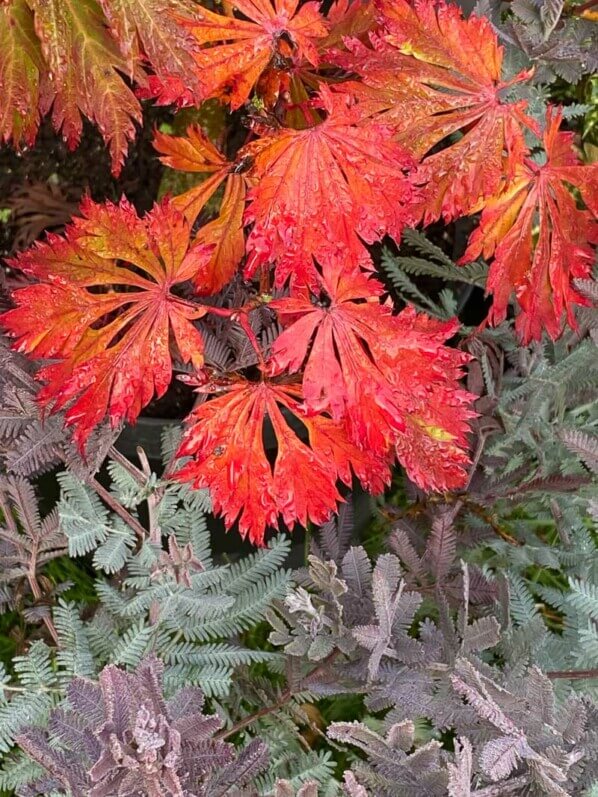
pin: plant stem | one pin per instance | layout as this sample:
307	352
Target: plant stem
153	500
573	675
117	507
27	690
282	701
131	469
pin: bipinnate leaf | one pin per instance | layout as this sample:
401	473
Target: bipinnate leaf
460	772
120	738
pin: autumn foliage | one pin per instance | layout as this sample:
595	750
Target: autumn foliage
375	117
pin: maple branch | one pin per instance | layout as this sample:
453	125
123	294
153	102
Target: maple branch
240	316
117	507
579	10
243	321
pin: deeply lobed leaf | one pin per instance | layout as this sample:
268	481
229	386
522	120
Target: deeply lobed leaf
300	175
433	74
225	438
390	378
540	267
105	309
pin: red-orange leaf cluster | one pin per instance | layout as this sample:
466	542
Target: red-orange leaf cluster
376	115
431	74
540	267
390	378
321	192
234	53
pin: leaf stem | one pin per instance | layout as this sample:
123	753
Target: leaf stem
131	469
117	507
282	701
573	675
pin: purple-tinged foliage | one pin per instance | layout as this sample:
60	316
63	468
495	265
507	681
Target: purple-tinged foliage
122	738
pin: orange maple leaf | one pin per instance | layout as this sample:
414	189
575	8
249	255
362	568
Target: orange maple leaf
540	267
235	52
426	373
224	437
196	153
104	308
431	74
391	378
323	191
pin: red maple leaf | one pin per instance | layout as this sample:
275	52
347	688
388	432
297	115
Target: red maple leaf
196	153
342	340
348	19
389	377
224	437
104	308
540	267
322	191
235	52
431	74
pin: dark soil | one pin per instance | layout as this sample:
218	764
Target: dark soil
84	170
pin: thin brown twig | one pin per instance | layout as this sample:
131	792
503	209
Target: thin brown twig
117	507
573	675
488	518
131	469
392	515
282	701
